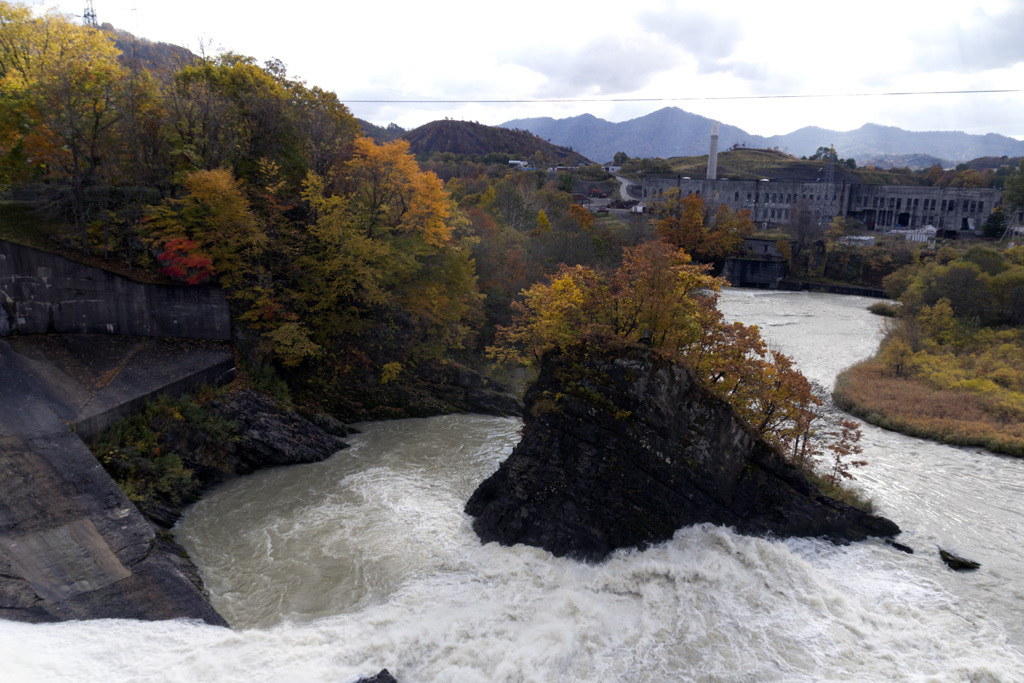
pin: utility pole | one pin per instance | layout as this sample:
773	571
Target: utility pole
89	16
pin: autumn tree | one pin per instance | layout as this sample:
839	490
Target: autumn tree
708	234
1013	189
215	217
386	250
61	85
228	111
659	297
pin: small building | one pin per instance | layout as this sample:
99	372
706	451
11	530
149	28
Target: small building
765	247
858	240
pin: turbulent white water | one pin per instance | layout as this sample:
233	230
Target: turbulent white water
365	561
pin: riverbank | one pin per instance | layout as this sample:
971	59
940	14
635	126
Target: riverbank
912	407
72	545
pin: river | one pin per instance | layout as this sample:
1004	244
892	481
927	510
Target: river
365	561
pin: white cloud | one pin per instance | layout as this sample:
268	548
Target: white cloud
659	49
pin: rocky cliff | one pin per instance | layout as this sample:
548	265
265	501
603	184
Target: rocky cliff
622	448
258	433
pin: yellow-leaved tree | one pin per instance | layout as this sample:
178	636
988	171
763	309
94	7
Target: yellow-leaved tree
659	297
215	218
386	253
61	93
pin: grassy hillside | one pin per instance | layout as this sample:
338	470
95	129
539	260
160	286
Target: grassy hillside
753	164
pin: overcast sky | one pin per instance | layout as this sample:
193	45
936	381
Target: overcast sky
621	60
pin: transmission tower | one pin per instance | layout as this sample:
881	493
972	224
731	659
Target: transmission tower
89	16
828	189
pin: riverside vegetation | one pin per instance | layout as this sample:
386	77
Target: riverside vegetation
951	366
360	277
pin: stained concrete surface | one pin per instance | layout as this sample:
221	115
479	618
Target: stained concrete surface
72	545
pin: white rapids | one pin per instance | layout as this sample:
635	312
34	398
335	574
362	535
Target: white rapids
335	570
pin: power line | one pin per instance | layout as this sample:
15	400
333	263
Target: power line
705	98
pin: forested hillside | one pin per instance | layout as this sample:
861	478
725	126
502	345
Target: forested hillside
475	139
363	282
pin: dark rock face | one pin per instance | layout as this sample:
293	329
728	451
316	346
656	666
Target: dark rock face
272	436
430	388
957	563
623	448
265	435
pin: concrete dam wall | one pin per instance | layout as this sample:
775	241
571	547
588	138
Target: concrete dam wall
42	292
72	545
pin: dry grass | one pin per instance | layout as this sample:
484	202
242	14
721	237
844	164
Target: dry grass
909	406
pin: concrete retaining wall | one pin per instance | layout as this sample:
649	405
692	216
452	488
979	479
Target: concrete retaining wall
92	422
42	292
742	272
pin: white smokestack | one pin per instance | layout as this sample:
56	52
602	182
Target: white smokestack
713	153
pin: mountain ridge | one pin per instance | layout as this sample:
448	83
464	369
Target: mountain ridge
672	131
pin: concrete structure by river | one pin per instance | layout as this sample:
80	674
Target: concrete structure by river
72	545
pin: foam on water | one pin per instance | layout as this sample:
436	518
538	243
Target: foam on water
365	561
709	605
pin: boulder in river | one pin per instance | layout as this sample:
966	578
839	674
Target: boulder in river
957	563
622	447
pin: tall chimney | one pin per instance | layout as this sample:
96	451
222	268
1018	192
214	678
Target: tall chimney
713	153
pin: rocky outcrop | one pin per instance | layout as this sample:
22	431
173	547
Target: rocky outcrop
622	448
260	433
436	387
957	563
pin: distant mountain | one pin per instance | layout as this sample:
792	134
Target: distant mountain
673	132
476	139
665	133
873	140
380	134
151	55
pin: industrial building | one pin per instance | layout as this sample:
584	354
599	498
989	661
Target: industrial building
880	207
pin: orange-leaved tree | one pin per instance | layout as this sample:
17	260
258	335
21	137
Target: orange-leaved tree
658	296
688	223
